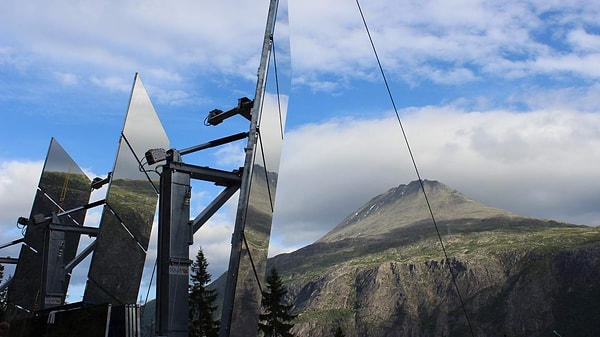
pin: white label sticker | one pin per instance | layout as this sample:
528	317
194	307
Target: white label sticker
178	269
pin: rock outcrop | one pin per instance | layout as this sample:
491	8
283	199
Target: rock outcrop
382	272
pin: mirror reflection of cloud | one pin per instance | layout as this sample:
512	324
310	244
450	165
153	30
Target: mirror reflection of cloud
142	131
272	128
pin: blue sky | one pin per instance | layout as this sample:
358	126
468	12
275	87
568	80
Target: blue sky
499	99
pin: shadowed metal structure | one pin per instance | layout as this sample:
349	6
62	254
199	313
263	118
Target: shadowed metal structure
256	182
49	253
122	238
252	231
40	279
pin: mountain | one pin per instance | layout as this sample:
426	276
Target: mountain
405	205
382	271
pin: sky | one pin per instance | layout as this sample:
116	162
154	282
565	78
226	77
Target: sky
499	100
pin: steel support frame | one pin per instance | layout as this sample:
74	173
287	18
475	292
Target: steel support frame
54	269
53	290
175	231
175	234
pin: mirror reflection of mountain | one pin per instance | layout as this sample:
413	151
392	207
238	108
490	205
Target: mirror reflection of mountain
69	189
261	203
131	204
253	255
59	191
134	202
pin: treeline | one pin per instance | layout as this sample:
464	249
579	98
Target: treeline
276	317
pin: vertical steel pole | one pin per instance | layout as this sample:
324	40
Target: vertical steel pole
174	233
53	288
238	233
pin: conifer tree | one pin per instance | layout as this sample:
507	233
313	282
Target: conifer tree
339	332
275	321
2	294
201	307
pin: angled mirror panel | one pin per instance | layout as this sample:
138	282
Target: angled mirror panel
132	194
130	206
265	168
24	290
114	277
63	186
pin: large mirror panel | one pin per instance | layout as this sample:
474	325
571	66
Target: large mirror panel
117	264
272	95
63	186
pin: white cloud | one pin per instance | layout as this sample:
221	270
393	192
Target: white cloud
65	78
175	42
112	83
585	66
9	57
18	183
542	163
584	99
158	36
487	38
230	155
584	41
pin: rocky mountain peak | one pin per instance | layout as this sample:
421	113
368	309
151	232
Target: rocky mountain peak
381	272
405	205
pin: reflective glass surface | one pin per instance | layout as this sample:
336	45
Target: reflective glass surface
126	223
273	99
63	186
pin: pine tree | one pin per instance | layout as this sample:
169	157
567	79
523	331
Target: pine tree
2	294
339	332
201	307
275	321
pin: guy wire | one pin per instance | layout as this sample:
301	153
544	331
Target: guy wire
451	270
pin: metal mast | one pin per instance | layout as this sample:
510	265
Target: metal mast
256	181
235	325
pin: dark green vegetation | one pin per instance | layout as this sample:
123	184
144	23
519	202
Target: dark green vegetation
68	189
2	295
129	211
134	202
202	301
339	332
275	321
382	272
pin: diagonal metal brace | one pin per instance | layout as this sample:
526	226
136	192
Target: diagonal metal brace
213	207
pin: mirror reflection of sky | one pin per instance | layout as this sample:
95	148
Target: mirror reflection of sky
57	160
142	131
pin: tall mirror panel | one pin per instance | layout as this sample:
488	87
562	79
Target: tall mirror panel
118	260
272	95
39	280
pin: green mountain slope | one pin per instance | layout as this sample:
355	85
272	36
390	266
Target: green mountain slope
381	272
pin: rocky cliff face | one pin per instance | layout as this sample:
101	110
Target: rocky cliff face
382	272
